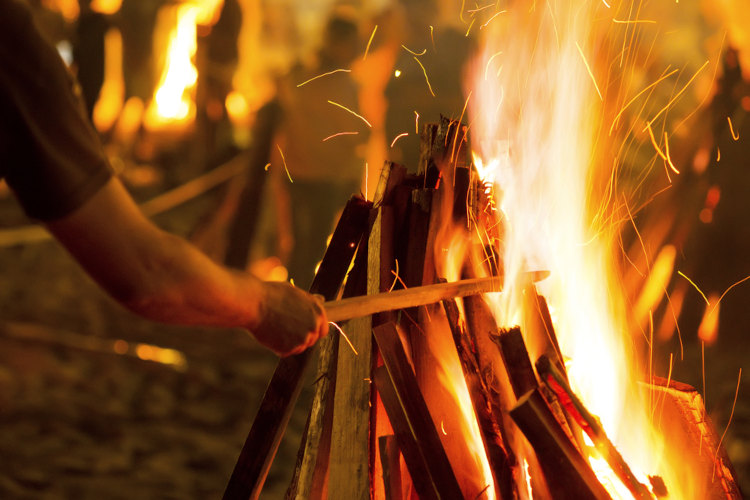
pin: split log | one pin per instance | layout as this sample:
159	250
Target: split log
542	339
312	468
410	404
492	438
517	361
353	418
264	437
416	463
684	424
565	470
538	327
480	328
591	426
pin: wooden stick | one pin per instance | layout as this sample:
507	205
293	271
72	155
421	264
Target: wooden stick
354	307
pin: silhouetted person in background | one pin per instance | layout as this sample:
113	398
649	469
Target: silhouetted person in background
325	169
88	53
218	55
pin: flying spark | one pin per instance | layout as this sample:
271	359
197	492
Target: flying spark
731	129
695	286
424	51
487	66
634	21
369	42
399	136
352	112
731	414
671	101
425	76
492	18
337	327
340	70
283	160
666	152
338	134
588	68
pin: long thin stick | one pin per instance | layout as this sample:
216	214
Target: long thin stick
355	307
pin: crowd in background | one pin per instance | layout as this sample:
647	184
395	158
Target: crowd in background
318	152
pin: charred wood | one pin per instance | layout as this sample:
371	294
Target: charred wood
591	426
565	470
412	406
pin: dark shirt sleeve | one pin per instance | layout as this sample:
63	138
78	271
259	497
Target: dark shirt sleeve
52	158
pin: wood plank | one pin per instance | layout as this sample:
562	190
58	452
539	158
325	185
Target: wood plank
310	472
352	448
312	468
269	425
416	412
349	464
415	461
480	328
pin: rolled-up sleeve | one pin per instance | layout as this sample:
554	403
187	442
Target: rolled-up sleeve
52	158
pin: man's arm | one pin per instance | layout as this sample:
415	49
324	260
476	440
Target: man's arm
164	278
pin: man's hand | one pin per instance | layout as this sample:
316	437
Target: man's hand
291	320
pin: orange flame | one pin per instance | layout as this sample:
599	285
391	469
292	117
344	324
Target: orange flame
540	98
173	101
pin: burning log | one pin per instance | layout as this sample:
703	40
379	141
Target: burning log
684	423
481	327
492	436
264	437
591	426
517	361
565	469
428	464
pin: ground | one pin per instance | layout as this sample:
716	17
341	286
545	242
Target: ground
82	421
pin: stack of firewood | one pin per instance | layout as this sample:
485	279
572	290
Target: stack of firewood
382	423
